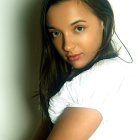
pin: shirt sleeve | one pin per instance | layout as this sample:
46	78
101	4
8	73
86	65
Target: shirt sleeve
91	89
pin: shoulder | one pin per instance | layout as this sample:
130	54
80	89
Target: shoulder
102	78
89	89
73	122
104	70
109	65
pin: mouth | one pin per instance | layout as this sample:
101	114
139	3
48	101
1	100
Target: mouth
74	57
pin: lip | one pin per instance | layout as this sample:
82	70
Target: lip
74	57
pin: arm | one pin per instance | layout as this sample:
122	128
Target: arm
76	123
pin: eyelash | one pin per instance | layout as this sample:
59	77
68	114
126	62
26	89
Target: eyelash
51	33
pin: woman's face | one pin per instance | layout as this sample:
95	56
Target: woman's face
76	32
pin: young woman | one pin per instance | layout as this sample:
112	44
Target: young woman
81	73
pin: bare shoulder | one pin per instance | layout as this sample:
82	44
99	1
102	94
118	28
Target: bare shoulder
76	123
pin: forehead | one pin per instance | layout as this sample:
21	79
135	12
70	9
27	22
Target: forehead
67	12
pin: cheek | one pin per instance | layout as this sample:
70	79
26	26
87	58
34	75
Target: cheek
90	39
95	38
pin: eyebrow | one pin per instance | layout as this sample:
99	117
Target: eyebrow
75	22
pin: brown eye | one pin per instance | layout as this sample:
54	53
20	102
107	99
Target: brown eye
79	29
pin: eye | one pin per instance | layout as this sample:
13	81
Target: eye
55	34
79	29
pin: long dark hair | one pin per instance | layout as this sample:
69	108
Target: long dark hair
53	67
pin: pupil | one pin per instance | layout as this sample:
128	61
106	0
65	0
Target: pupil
79	28
56	33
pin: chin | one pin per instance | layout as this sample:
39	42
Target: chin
78	66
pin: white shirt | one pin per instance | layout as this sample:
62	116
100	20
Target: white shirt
102	88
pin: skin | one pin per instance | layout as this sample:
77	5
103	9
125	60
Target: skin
75	30
76	124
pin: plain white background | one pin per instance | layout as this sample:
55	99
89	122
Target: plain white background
19	60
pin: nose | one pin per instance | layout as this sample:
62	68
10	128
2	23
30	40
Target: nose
68	42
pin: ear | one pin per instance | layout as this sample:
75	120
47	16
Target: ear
102	24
